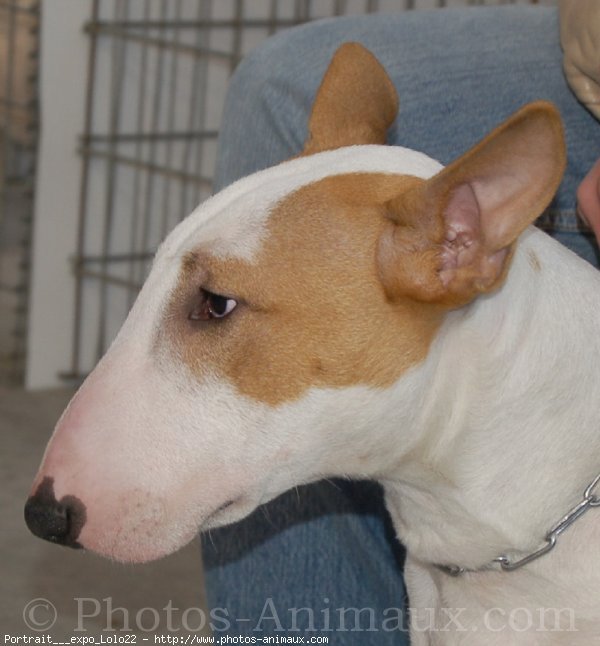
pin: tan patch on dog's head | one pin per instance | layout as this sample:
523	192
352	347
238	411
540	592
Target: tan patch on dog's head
356	272
311	309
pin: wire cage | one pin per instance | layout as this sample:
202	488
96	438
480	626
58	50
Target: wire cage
19	32
157	76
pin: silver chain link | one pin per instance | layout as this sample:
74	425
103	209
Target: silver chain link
590	499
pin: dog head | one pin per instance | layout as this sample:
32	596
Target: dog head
284	319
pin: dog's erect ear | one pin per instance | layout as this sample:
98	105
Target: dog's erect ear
356	102
451	237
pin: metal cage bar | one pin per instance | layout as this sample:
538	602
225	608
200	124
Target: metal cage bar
19	36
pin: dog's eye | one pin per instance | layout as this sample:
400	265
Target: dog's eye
212	306
219	306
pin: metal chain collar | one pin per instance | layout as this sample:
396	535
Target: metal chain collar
590	499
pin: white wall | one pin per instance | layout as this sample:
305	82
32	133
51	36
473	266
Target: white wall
64	60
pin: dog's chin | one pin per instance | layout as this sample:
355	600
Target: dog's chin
138	547
135	546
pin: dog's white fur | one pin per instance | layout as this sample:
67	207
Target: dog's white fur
495	473
481	447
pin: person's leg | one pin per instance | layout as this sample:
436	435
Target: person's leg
327	548
459	73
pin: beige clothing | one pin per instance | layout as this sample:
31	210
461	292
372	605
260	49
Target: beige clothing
580	39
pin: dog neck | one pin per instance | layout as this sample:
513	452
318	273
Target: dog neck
507	430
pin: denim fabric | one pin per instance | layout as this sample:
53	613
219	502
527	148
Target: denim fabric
326	547
458	73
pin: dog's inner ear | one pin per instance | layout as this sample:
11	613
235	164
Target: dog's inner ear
452	237
356	102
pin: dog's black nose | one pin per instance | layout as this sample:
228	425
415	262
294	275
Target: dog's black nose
53	520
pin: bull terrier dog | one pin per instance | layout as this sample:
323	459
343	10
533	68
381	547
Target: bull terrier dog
362	311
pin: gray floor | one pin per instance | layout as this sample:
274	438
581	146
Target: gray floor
33	569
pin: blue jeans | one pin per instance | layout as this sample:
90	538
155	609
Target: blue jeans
458	73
